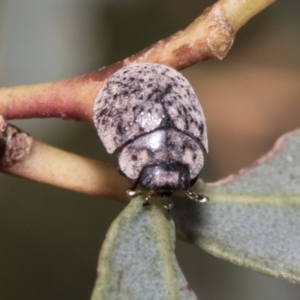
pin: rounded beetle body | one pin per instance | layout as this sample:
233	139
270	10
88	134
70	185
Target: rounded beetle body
151	116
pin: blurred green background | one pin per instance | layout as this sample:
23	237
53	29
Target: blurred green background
50	238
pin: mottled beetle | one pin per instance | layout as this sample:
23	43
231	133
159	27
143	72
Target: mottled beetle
151	116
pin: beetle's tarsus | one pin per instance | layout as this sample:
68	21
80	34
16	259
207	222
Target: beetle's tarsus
131	192
146	200
198	198
169	204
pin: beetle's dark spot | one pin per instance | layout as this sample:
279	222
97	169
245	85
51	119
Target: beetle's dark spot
134	157
201	128
194	157
120	128
115	96
141	129
141	97
184	109
169	103
150	153
179	112
149	85
131	78
171	146
103	122
103	112
168	89
141	80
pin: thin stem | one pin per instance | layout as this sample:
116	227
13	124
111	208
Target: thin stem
210	36
56	167
25	157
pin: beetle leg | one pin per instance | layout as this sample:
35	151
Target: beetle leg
169	204
131	192
196	197
146	200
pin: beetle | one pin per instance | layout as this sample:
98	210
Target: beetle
150	115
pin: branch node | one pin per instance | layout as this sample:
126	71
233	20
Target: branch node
220	40
14	144
221	33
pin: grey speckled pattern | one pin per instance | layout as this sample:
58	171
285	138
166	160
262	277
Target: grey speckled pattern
143	97
161	146
253	219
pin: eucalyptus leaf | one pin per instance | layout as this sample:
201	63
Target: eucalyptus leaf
253	217
137	259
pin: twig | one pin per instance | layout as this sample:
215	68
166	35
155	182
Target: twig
210	36
25	157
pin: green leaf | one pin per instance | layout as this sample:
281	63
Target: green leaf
137	259
253	217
